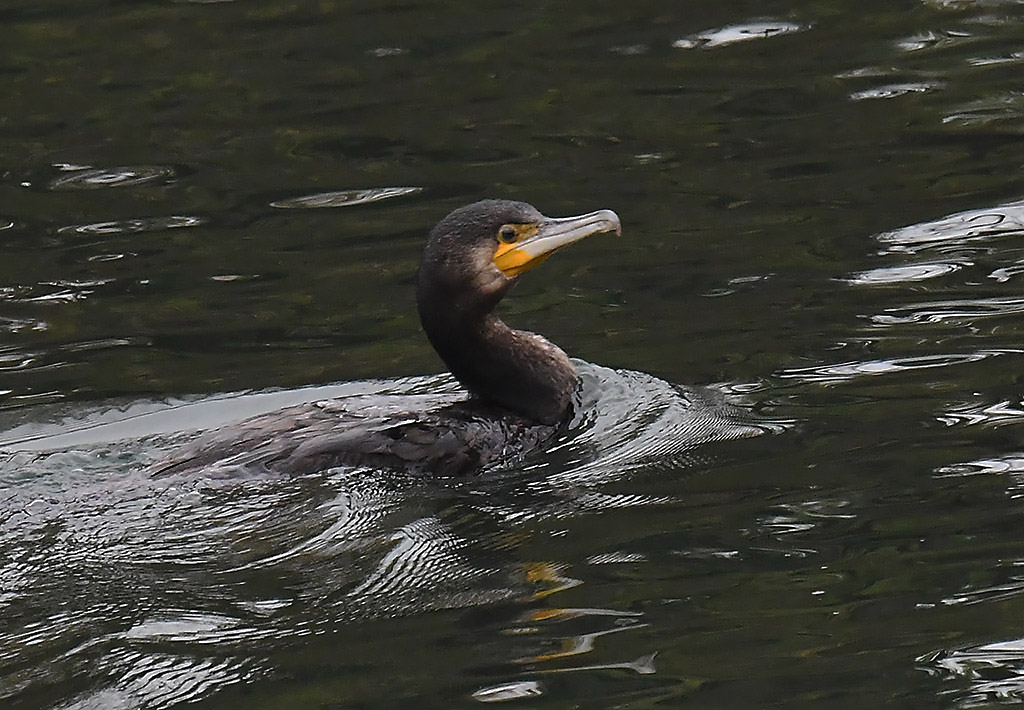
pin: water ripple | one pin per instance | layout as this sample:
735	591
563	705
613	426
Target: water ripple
88	178
62	291
423	551
159	680
1009	58
994	672
1005	109
516	690
992	593
931	39
186	626
804	516
892	91
84	524
356	512
16	325
1011	463
16	359
381	52
957	230
869	72
1005	273
344	198
616	558
847	371
631	419
954	311
629	50
903	274
132	226
990	415
961	4
731	34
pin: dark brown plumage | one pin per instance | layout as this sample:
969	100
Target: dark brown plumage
521	384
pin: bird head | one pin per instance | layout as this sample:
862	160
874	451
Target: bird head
478	251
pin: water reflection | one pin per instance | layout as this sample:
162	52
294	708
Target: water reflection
961	311
509	691
956	5
804	516
1001	110
1005	273
892	91
86	525
133	226
932	39
630	50
745	32
61	291
994	672
1011	463
344	198
644	665
381	52
984	414
81	177
957	230
738	153
847	371
1010	58
14	325
15	359
903	274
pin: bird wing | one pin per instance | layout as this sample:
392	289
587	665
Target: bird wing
450	440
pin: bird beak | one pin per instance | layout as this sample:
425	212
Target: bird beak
551	235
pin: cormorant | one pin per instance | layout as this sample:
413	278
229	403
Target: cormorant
521	385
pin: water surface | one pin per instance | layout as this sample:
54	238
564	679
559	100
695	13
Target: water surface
796	475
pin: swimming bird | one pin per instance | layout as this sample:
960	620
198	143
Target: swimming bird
520	385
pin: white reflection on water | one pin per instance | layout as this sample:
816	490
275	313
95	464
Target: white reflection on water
956	5
344	198
892	91
994	671
132	226
847	371
965	238
903	274
984	414
957	230
509	691
88	178
804	516
1010	463
931	39
158	680
1003	109
959	310
731	34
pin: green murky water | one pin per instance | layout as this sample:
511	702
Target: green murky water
797	476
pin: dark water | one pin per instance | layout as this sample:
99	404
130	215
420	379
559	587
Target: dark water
796	476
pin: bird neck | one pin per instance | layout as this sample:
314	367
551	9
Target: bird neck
514	369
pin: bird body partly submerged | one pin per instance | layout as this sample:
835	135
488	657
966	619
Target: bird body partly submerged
451	440
520	385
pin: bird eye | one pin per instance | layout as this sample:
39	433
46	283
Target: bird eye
507	234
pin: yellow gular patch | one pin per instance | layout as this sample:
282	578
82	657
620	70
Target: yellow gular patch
508	256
